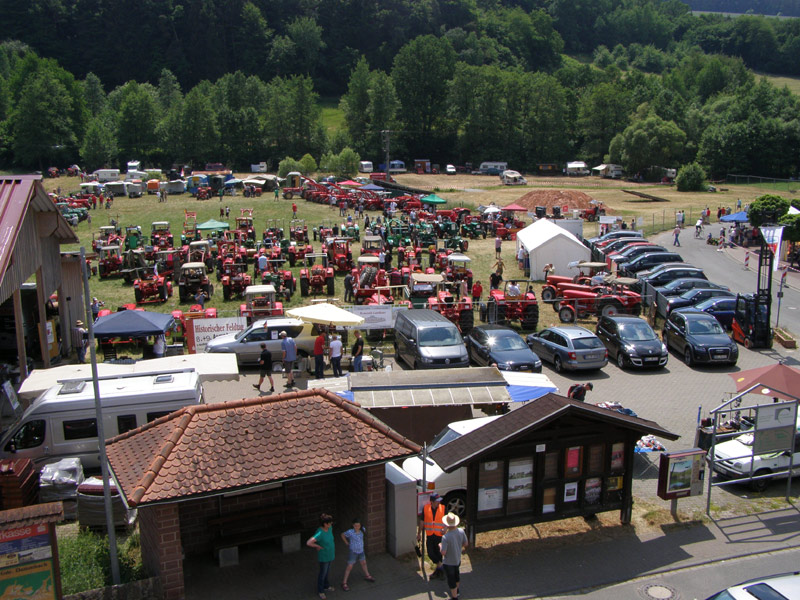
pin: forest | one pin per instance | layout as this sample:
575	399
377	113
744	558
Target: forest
640	82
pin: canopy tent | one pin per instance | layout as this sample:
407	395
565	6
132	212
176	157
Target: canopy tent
777	381
793	211
548	244
432	199
371	187
515	208
132	323
325	314
523	387
209	367
212	225
350	182
737	217
232	182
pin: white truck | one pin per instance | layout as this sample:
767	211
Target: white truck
62	422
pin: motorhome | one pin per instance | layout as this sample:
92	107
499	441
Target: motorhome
106	175
365	166
62	422
134	165
509	177
577	168
397	166
492	168
118	188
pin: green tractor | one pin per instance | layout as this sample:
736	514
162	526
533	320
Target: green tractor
473	230
426	235
456	242
352	231
399	234
447	228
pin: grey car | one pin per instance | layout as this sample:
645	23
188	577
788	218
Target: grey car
246	344
569	347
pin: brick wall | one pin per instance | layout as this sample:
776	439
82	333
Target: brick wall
376	509
162	552
313	496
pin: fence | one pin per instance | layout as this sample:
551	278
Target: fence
790	185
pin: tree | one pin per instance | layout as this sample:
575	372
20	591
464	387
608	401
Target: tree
691	178
137	119
768	208
198	127
381	110
287	165
169	90
355	103
602	114
95	94
647	143
308	165
99	148
306	35
791	231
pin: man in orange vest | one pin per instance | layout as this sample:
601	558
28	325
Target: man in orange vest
432	522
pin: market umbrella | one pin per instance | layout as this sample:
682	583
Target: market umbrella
132	323
491	210
349	182
432	199
737	217
776	380
515	208
212	225
324	314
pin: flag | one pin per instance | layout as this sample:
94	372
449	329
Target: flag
773	235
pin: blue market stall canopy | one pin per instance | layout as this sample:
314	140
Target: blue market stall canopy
737	217
132	323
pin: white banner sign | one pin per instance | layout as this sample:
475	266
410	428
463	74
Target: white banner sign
205	330
378	316
773	236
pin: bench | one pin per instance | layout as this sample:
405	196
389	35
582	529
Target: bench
255	525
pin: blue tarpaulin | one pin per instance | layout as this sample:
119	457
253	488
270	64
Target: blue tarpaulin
132	323
737	217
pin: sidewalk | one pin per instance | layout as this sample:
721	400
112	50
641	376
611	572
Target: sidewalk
738	253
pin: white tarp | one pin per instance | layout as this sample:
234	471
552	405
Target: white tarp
547	243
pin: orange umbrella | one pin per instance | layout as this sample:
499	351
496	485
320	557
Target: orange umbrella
776	381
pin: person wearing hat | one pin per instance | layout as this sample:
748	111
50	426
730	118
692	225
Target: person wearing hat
454	541
289	348
431	522
96	306
79	340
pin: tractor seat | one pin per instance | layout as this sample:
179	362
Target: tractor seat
449	300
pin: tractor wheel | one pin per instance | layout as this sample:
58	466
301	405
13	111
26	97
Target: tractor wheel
101	271
292	259
331	286
610	309
162	292
590	218
548	294
530	317
288	195
304	287
137	293
226	292
556	304
466	321
566	314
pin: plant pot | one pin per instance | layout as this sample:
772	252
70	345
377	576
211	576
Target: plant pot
784	339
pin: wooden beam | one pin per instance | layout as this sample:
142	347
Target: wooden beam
64	322
46	223
45	348
23	357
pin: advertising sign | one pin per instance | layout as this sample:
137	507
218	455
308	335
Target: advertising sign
34	581
379	316
775	427
201	331
681	474
26	563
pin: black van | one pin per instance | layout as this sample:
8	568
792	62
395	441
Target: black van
424	339
648	261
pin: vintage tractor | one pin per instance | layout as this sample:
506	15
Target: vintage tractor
323	232
594	212
160	236
426	235
340	255
508	305
135	265
274	230
551	290
259	303
284	281
190	232
168	263
442	255
421	287
449	305
244	223
109	235
457	243
398	234
235	278
367	277
350	230
446	228
473	228
152	288
133	237
297	251
578	303
317	278
182	319
298	231
109	261
293	185
193	278
200	251
372	245
458	270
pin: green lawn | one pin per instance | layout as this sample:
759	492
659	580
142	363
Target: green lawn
332	116
793	83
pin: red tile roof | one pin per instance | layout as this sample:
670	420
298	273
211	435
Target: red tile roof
214	448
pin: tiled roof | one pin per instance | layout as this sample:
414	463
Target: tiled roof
49	512
530	417
214	448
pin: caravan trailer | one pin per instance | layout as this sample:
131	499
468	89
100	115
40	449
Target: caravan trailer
365	166
62	421
106	175
492	168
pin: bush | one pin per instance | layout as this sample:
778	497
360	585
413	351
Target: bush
768	208
309	165
85	563
287	165
691	178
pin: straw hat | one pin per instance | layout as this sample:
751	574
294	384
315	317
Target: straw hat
451	520
79	323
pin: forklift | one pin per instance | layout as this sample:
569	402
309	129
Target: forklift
752	317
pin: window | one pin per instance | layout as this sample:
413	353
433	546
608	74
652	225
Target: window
157	415
80	429
257	335
126	423
30	435
559	340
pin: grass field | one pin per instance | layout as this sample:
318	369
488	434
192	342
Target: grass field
464	190
793	83
332	117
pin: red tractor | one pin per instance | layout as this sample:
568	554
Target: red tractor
109	261
340	255
458	269
598	300
109	235
458	310
182	319
244	223
168	263
152	288
193	278
297	252
294	185
199	251
298	231
235	278
367	278
190	232
512	303
552	288
273	231
594	212
259	303
160	236
372	245
318	278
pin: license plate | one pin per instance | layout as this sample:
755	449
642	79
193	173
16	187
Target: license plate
590	357
651	359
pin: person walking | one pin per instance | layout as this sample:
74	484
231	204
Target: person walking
578	391
494	280
265	364
319	356
289	349
499	266
227	211
431	522
336	355
354	540
454	542
498	242
322	542
277	192
358	352
79	340
348	287
477	291
676	232
294	210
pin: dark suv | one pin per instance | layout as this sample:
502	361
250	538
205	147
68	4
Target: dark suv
700	338
631	341
648	261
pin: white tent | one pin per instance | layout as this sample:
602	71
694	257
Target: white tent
547	243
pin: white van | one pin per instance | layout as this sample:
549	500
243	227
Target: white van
134	165
509	177
492	168
106	175
61	422
365	166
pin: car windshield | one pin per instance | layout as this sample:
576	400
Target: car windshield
439	336
587	343
445	436
242	333
705	327
636	332
506	342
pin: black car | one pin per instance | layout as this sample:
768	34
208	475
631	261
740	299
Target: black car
648	260
662	277
631	341
495	344
621	244
684	284
700	338
695	296
629	254
722	309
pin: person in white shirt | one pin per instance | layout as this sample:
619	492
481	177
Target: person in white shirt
513	289
336	355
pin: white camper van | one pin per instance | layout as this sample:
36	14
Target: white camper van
61	422
106	175
509	177
365	166
134	165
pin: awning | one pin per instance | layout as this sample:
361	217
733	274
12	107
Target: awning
324	314
515	208
132	323
432	199
212	224
737	217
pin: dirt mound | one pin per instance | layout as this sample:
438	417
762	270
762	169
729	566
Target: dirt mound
551	198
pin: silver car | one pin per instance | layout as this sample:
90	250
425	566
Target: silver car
569	348
247	343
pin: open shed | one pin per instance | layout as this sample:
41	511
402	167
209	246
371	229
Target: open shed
547	243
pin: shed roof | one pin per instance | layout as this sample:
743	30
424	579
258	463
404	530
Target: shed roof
540	232
530	417
212	449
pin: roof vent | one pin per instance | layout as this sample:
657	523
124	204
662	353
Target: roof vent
72	387
164	379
